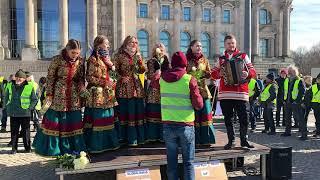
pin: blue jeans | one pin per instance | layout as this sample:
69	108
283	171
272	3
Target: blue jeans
183	136
253	115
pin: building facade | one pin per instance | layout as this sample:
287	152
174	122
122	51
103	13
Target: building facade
32	31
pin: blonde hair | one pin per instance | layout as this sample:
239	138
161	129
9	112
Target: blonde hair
159	45
294	68
307	79
126	42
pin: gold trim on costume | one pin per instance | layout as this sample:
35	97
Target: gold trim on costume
103	128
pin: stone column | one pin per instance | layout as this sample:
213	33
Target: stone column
115	27
237	22
155	25
198	18
255	32
2	55
286	31
35	5
63	19
176	28
121	22
217	31
92	22
276	13
272	47
29	52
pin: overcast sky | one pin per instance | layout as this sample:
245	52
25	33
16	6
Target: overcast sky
305	23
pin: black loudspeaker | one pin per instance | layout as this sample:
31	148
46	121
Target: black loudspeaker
279	163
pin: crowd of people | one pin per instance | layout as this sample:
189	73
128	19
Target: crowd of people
296	95
104	102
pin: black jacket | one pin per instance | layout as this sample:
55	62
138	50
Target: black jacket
280	82
308	96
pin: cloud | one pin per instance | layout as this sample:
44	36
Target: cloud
305	24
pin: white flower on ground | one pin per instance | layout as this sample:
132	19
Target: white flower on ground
194	68
83	154
81	163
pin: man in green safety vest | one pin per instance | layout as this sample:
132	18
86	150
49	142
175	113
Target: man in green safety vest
4	111
20	99
268	102
179	97
254	92
35	112
294	90
315	104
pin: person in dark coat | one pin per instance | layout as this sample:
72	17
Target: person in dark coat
306	104
280	97
20	100
268	101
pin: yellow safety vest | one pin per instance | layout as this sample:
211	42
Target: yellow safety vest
25	95
295	90
264	96
175	100
315	94
286	88
252	85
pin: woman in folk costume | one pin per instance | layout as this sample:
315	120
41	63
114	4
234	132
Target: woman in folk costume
199	67
99	131
158	63
129	92
61	128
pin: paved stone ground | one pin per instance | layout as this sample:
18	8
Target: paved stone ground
306	159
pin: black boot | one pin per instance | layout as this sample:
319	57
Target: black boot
230	145
246	144
271	133
303	138
286	134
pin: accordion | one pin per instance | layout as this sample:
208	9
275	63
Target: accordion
232	70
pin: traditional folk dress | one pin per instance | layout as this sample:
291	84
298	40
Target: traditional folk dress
99	115
62	127
153	107
199	67
130	96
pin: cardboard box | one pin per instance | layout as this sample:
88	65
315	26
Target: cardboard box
213	170
145	173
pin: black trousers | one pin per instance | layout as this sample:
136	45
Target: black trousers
316	110
303	124
35	119
297	112
268	119
15	123
279	107
242	108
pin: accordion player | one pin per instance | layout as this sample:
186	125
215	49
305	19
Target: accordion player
232	70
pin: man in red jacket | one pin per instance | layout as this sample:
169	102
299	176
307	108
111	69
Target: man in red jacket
234	97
